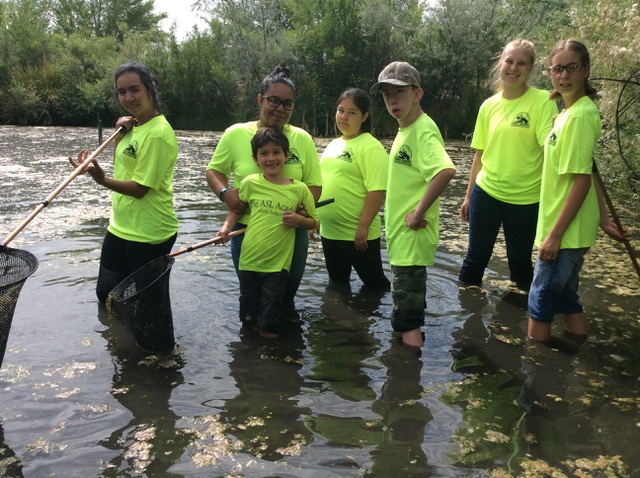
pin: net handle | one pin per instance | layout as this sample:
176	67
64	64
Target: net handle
214	240
76	172
237	232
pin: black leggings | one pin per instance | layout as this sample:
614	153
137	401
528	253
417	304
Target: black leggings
119	258
341	256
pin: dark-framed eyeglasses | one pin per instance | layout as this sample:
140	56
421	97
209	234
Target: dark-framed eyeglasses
274	102
556	70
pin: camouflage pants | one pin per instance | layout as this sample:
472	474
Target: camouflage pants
408	290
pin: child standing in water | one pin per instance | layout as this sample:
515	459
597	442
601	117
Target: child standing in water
267	248
354	172
571	206
419	171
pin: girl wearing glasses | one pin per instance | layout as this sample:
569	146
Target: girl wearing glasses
232	156
571	207
354	172
504	182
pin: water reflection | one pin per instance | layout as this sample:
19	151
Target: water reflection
516	396
264	417
337	398
391	425
151	442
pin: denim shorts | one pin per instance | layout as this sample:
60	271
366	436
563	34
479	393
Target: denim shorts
555	285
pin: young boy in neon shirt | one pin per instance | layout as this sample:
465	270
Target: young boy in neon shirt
419	171
267	249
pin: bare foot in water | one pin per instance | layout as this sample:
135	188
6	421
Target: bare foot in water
413	338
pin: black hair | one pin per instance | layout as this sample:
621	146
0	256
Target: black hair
580	48
279	75
362	102
269	135
147	79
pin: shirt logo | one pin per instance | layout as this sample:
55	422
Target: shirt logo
132	149
294	157
346	155
552	139
403	155
522	120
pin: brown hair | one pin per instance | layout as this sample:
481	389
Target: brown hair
269	135
579	48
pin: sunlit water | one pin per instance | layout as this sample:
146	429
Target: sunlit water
335	395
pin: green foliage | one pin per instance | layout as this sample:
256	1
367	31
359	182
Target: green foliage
57	57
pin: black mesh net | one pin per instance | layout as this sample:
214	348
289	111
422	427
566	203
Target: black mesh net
15	267
142	300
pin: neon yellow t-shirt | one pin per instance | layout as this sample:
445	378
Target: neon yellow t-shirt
268	245
568	150
416	156
350	169
511	134
232	156
146	155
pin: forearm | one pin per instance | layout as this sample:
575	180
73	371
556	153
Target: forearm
307	222
216	181
577	195
128	188
372	203
435	189
475	169
231	221
316	191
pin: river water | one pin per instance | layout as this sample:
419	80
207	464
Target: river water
335	395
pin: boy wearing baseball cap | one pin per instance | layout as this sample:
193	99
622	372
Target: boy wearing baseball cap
419	171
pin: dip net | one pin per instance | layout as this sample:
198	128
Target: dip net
16	266
142	300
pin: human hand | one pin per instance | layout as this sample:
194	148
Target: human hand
93	168
312	232
127	121
360	241
612	230
464	210
414	221
549	249
291	219
223	235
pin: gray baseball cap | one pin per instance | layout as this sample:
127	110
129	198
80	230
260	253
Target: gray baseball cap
398	73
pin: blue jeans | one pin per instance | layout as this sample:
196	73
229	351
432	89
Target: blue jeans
297	263
486	215
555	286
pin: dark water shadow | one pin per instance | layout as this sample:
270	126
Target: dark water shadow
10	463
150	442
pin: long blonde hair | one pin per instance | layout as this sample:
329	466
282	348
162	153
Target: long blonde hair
526	45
